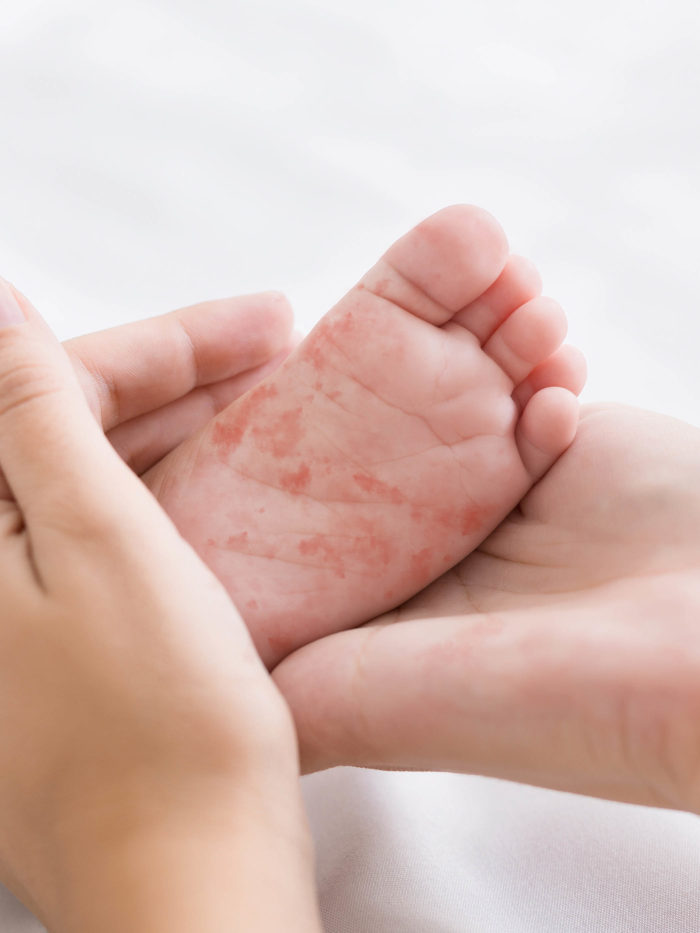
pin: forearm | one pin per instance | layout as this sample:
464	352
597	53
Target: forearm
214	869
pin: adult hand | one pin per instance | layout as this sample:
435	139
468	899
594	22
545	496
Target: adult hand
153	383
562	653
149	765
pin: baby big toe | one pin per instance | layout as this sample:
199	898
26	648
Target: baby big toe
441	265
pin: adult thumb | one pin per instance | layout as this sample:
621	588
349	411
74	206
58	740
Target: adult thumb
49	441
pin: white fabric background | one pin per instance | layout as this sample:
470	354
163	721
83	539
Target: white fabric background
156	153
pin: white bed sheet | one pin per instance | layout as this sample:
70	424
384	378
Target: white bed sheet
156	153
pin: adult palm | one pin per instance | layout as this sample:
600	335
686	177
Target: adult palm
563	652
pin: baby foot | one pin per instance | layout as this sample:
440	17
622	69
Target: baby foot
395	438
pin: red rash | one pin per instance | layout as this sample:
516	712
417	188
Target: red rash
236	542
421	564
315	347
280	645
242	545
469	520
319	543
344	324
296	481
372	484
227	436
320	342
263	391
329	552
381	548
228	430
381	287
472	519
285	433
366	553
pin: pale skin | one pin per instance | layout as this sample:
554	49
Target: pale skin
152	384
578	612
591	754
162	800
562	652
395	437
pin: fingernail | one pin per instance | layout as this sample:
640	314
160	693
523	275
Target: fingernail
10	311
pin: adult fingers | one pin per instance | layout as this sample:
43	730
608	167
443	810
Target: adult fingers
425	693
136	368
50	447
145	440
552	697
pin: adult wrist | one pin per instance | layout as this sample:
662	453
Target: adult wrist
206	859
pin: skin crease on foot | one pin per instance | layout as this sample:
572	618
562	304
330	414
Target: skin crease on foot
390	443
563	652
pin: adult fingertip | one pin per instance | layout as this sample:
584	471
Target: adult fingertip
47	434
11	312
279	309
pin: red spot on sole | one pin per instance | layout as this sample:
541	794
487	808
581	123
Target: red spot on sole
380	550
227	436
237	542
266	390
230	427
280	646
315	347
444	517
344	323
473	519
319	543
320	343
329	553
467	521
373	485
296	481
421	564
281	436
